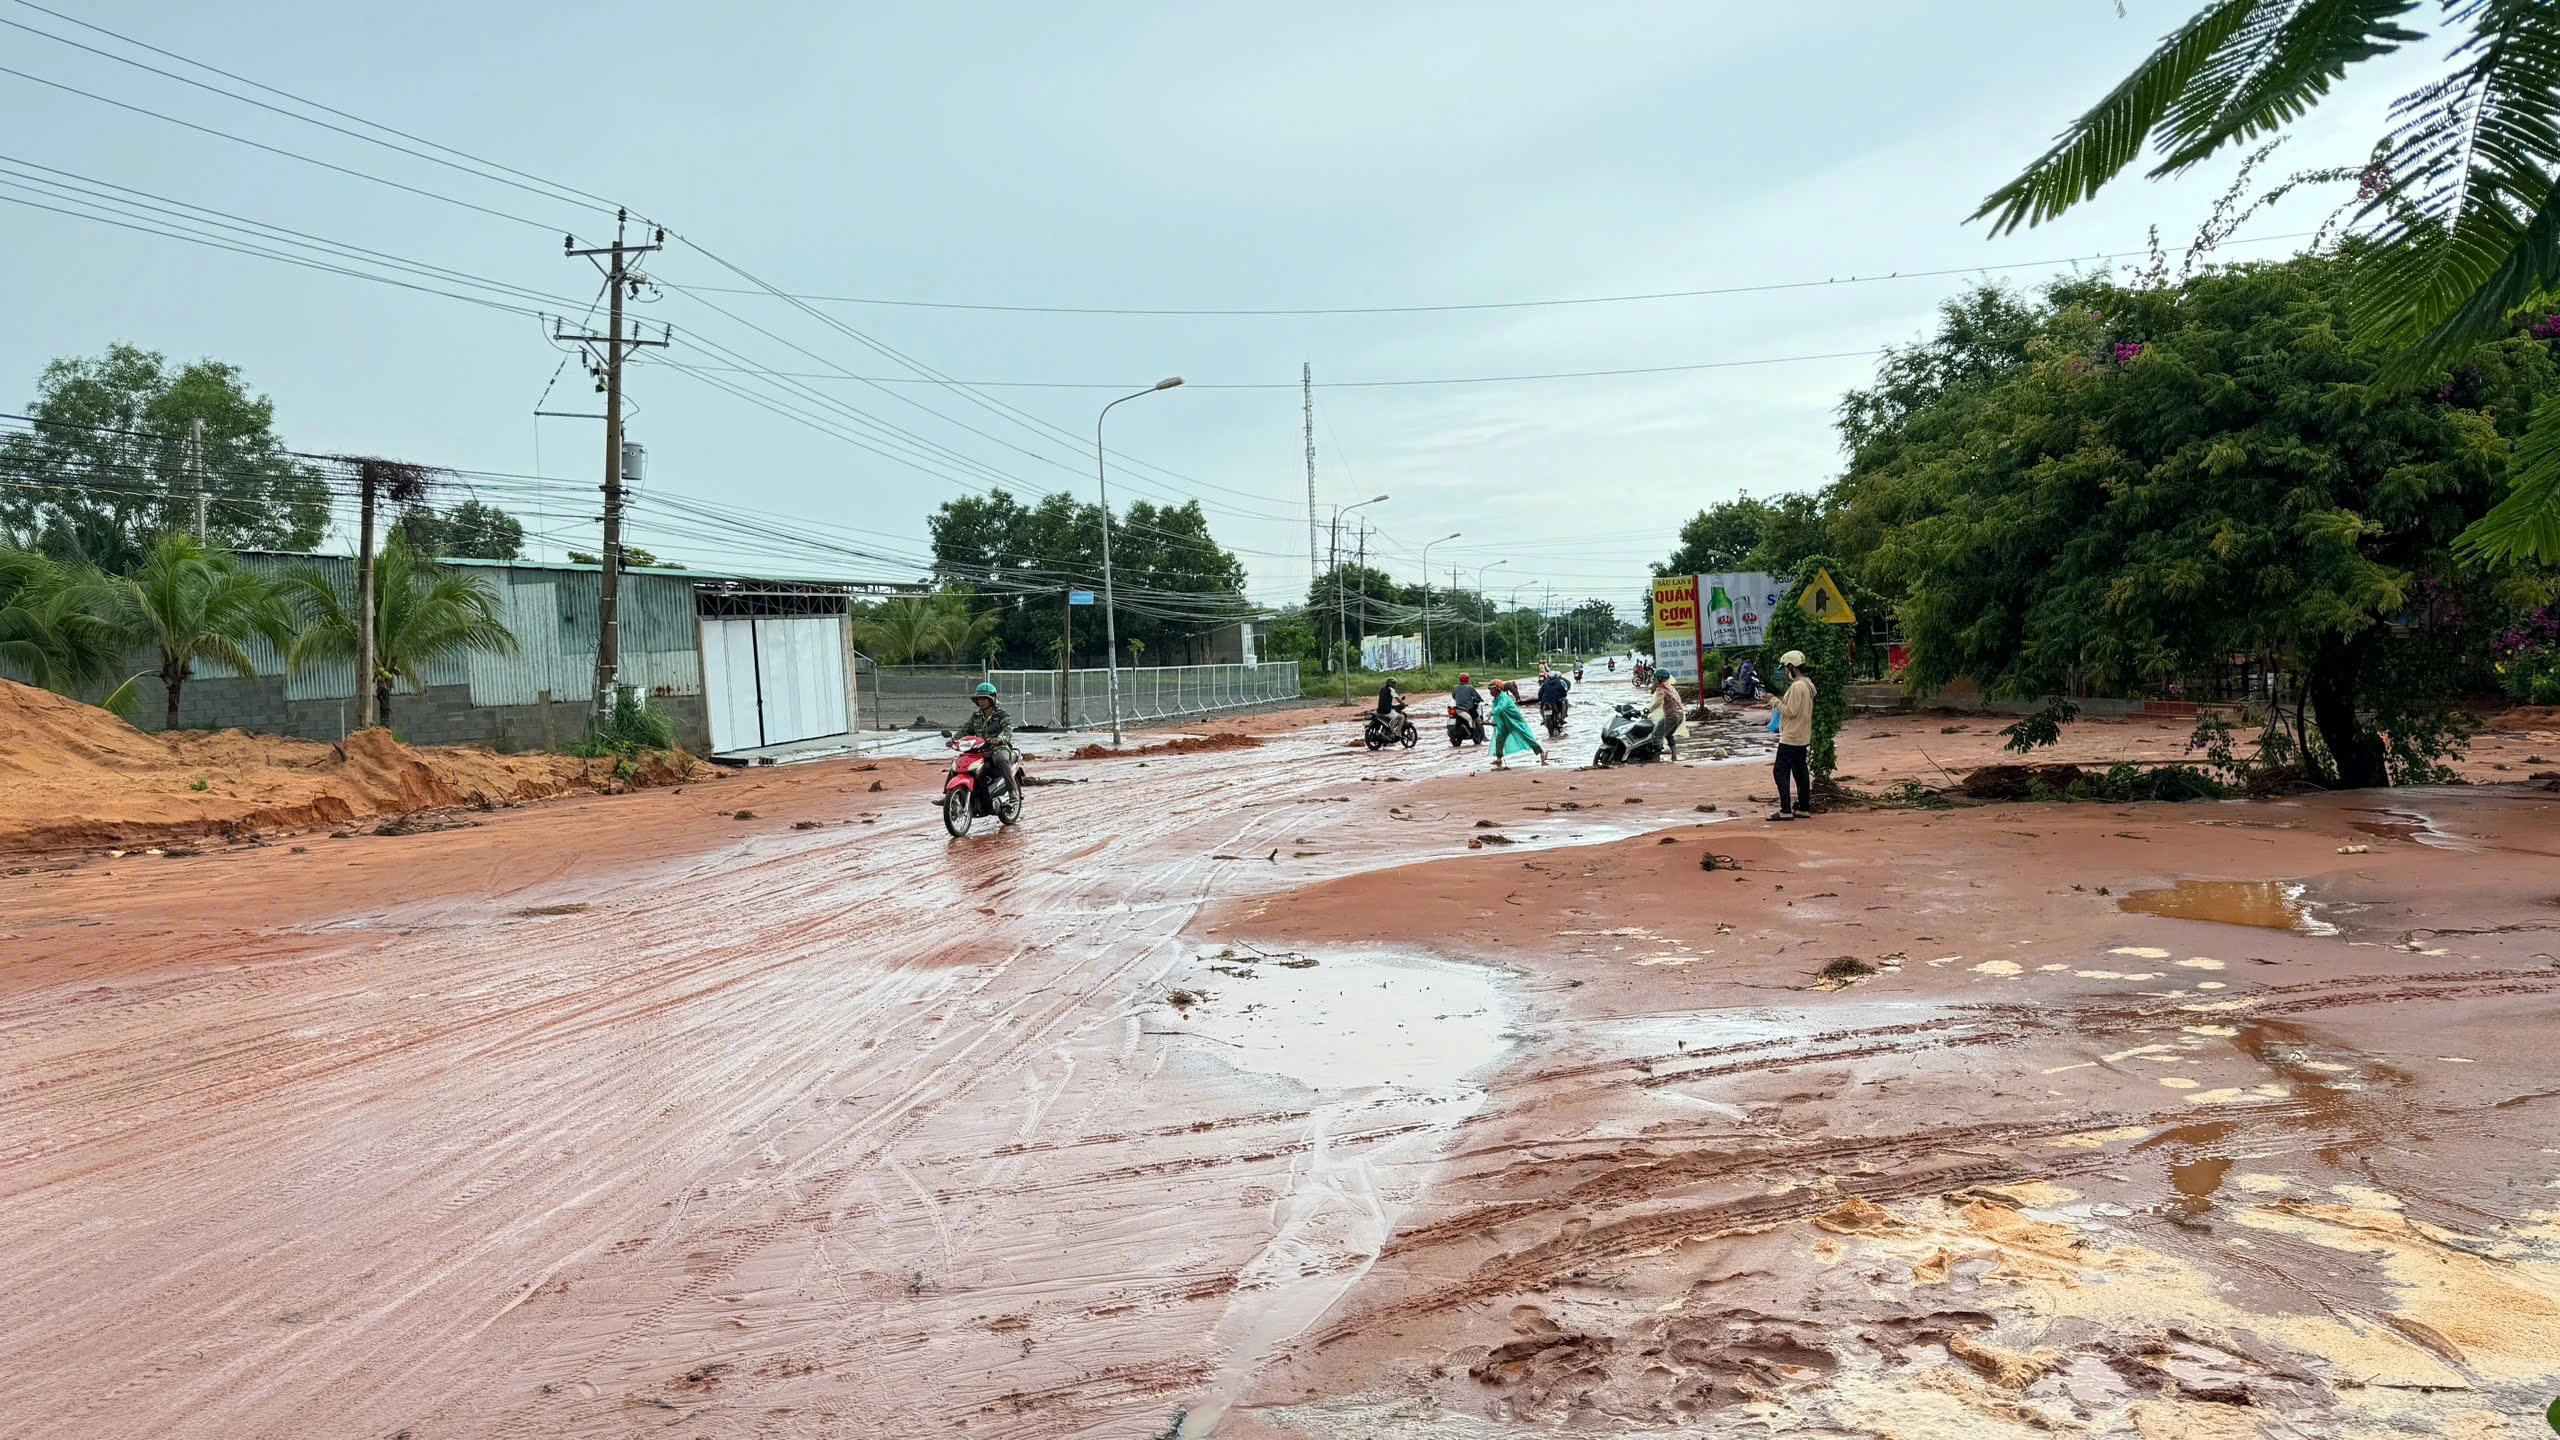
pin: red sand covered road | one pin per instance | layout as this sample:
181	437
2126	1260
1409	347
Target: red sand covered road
627	1115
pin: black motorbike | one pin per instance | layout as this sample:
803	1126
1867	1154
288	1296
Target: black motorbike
1627	739
1553	712
1466	726
1381	731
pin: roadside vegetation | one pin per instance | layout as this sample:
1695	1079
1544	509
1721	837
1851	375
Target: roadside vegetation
2208	488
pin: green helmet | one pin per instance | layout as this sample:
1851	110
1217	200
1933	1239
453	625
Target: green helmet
987	688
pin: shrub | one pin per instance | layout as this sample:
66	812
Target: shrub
633	729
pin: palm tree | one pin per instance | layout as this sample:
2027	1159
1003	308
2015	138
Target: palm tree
958	632
2461	190
191	605
422	613
900	631
54	628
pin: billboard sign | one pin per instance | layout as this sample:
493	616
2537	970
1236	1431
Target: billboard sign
1735	607
1675	627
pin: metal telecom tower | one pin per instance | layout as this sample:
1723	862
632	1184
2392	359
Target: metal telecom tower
1307	383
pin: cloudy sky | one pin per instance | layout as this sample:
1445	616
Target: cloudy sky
1123	157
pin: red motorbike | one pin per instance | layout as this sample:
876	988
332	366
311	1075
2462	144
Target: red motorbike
971	788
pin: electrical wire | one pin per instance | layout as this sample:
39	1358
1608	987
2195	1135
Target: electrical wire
1477	305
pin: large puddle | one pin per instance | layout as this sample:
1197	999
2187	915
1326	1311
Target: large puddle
1392	1048
2268	904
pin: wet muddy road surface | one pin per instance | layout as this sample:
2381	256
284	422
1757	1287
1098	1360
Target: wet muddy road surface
1291	1091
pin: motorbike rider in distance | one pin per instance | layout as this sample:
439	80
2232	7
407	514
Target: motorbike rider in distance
991	724
1551	692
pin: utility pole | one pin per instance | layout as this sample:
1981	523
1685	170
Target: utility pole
620	280
195	470
1067	665
1362	565
1307	383
1341	609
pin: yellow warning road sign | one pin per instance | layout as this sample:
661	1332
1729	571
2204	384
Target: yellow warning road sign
1823	601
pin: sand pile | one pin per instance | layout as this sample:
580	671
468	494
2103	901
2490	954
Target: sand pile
1194	745
73	776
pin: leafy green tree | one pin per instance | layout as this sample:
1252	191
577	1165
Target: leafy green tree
2178	476
1718	538
1748	534
471	530
2460	198
632	555
1172	578
54	629
189	604
1339	598
109	463
1827	654
422	613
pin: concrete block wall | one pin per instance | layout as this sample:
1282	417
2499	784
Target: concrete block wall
444	715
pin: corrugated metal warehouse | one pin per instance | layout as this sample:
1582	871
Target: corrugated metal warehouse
775	651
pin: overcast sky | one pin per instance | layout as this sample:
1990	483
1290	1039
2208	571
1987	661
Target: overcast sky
1163	156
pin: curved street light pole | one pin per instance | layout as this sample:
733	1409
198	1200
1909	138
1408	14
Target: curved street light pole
1426	597
1110	610
1515	610
1341	631
1480	634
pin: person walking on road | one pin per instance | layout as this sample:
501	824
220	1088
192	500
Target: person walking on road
1668	714
1795	739
1511	728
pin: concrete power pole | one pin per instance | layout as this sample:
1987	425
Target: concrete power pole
1307	384
195	471
620	280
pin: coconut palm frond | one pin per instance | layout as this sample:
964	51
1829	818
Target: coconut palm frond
121	700
2099	144
2237	70
423	613
2279	64
2526	524
2470	230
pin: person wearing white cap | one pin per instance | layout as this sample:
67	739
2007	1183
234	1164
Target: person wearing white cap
1795	739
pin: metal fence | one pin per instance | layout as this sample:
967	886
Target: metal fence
1154	692
902	697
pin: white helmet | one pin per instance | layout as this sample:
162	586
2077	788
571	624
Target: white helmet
1792	657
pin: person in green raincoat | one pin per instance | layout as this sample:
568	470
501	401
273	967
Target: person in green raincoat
1510	727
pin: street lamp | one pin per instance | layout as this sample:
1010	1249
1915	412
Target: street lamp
1426	597
1341	612
1489	564
1110	615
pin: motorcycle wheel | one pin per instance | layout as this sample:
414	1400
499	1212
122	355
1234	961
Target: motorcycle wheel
1009	809
956	812
1374	739
1604	759
1456	739
1411	737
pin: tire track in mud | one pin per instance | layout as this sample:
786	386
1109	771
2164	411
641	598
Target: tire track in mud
1652	1173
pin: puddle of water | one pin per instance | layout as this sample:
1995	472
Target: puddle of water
2197	1179
2409	825
1367	1033
2268	904
1356	1021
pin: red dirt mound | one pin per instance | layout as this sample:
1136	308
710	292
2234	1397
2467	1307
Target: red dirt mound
73	776
1229	740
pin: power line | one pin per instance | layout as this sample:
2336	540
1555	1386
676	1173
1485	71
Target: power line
1461	306
1189	384
279	150
545	191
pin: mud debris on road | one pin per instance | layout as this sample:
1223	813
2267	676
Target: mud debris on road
614	1111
